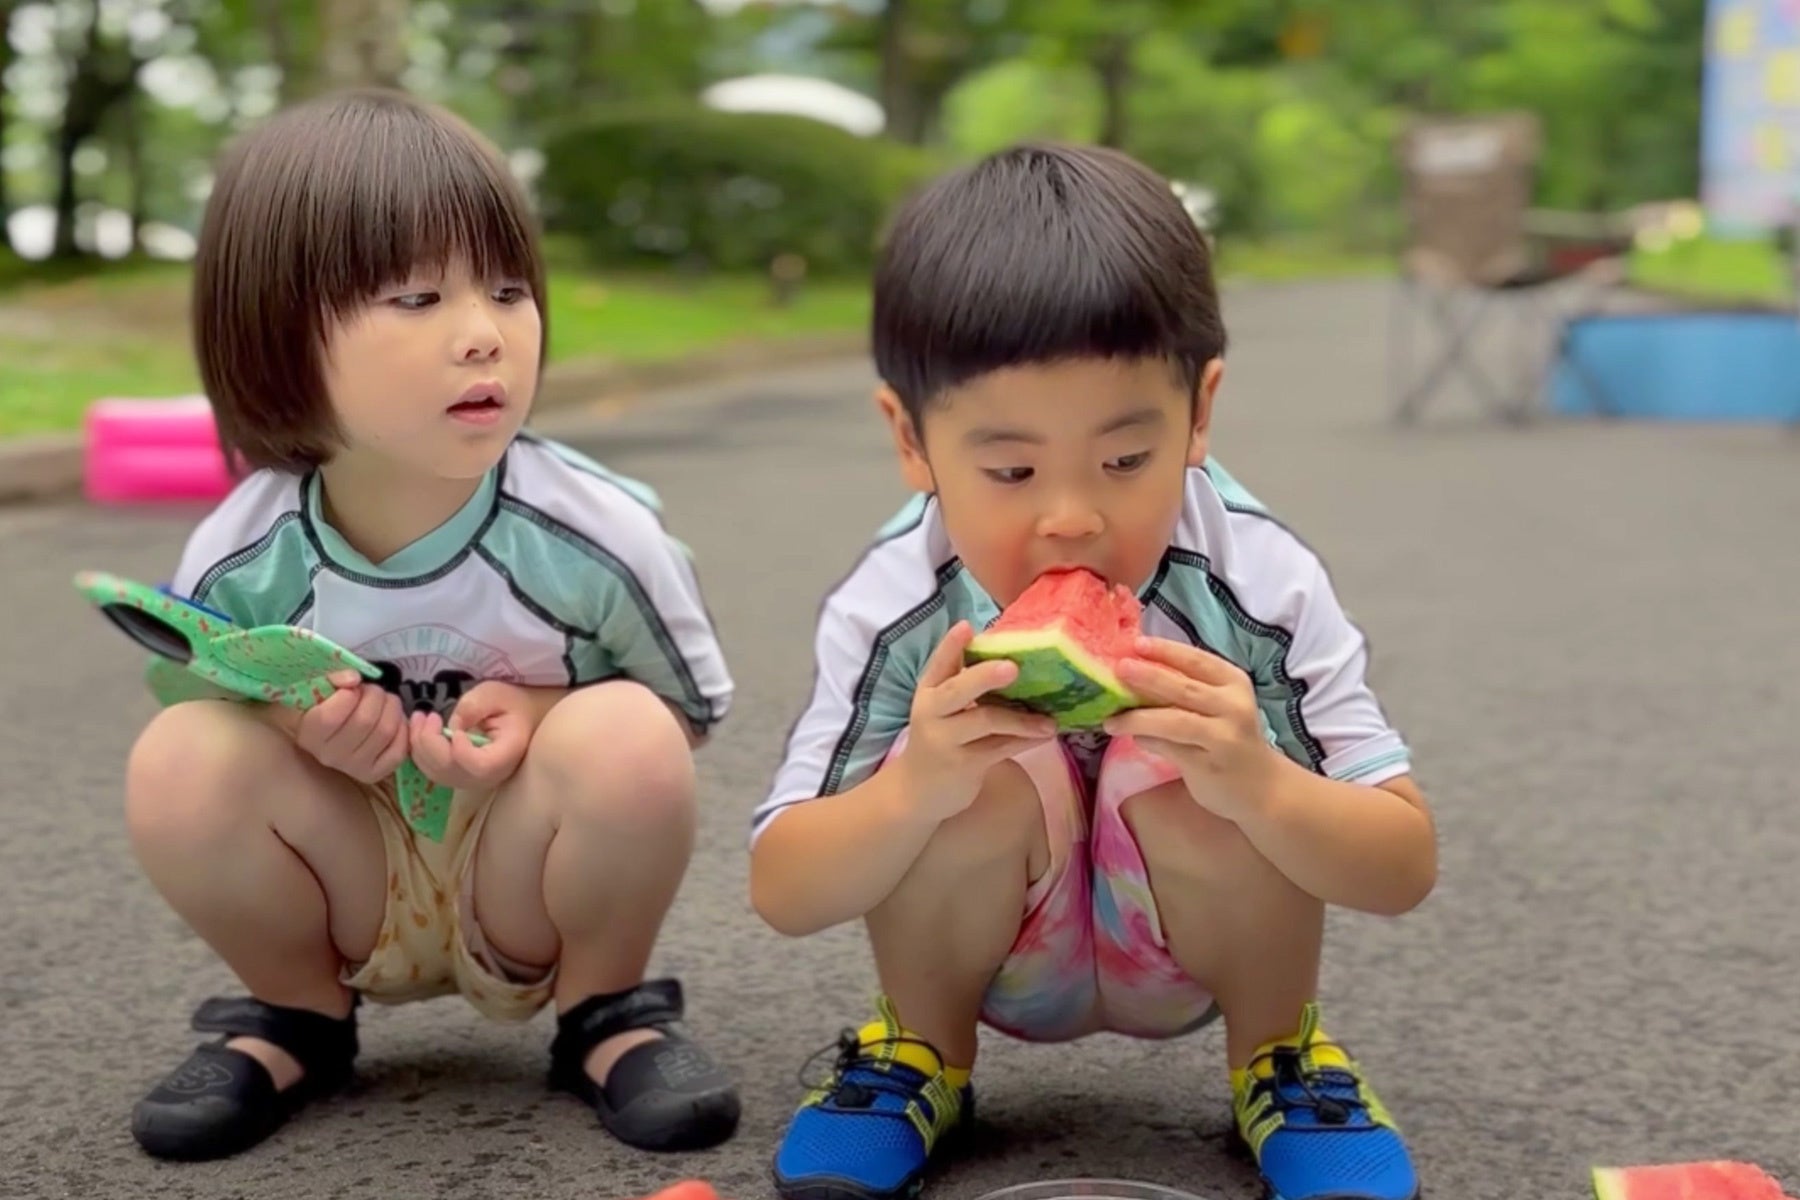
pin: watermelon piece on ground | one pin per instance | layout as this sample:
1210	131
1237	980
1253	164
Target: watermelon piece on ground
1067	632
688	1189
1687	1181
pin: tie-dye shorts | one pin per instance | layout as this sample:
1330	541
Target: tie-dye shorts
1090	956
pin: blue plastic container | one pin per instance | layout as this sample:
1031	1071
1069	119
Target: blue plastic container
1688	366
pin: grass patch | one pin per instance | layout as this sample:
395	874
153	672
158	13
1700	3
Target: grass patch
122	331
51	379
1705	270
649	318
18	275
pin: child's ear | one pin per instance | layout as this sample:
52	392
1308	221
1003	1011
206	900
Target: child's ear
1201	435
907	442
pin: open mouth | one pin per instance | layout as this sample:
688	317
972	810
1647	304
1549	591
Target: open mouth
481	402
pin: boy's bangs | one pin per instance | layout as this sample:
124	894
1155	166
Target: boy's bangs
1042	306
422	200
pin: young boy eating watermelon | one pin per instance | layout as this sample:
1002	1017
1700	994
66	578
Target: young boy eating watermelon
1048	332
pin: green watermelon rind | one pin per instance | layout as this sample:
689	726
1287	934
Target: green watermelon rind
1057	677
1609	1184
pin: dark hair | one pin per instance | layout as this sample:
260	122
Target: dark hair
1038	254
313	213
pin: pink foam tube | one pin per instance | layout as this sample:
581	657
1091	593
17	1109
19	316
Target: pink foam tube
146	451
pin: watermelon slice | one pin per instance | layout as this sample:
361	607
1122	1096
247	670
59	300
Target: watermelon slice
1067	631
1687	1181
688	1189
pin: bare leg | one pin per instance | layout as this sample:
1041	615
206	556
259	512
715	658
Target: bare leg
946	929
1233	921
587	845
275	861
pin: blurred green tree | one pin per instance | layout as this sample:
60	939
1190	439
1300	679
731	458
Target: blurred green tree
6	58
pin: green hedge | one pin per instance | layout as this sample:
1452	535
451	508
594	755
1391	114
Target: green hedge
1749	272
727	190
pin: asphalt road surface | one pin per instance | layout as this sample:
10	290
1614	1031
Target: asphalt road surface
1590	634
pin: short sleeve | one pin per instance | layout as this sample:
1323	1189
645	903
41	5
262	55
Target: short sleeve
586	550
250	559
873	636
1326	662
656	629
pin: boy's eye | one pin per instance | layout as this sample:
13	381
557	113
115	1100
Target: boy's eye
510	293
1125	464
1008	474
414	301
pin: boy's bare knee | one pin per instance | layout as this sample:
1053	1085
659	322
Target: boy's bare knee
1003	825
1180	839
620	756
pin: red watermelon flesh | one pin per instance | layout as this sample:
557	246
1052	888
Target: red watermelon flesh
688	1189
1687	1181
1067	632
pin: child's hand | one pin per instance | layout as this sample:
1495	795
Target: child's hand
499	711
359	729
1204	719
953	742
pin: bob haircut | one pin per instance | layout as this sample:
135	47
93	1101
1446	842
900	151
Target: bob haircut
1039	254
311	215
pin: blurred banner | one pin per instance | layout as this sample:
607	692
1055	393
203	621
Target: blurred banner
1750	122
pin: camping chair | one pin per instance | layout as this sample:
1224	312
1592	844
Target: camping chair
1470	253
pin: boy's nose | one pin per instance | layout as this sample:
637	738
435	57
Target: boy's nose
1071	519
479	339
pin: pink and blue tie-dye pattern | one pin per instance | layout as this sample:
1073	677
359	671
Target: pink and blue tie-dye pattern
1090	956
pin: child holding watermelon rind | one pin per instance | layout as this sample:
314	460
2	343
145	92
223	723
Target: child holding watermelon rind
369	301
1048	332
